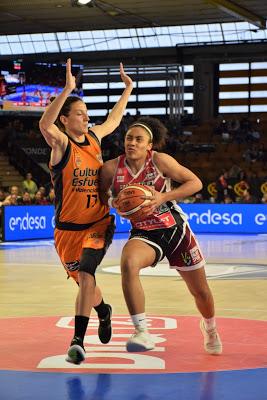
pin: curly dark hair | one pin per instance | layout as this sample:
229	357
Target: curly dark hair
65	110
158	129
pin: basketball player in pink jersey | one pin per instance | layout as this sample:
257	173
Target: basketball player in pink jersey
163	230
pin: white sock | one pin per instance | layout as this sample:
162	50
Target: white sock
210	323
139	321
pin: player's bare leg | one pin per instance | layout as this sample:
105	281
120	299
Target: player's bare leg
135	256
198	286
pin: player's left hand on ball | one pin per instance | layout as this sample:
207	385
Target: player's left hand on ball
151	195
156	200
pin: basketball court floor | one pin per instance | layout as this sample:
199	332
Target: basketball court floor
36	323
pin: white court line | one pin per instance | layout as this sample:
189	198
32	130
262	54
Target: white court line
217	308
115	269
30	264
28	244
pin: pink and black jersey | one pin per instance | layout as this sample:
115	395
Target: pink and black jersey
148	175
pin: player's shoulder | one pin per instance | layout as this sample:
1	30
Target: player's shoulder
93	139
110	164
161	157
164	161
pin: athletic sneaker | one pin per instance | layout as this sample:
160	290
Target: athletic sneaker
76	352
104	328
212	341
140	341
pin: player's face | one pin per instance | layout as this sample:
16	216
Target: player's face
77	120
137	143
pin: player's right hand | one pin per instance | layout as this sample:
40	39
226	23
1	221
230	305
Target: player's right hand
124	77
70	84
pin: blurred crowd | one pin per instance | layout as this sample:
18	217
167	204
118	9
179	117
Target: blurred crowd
244	131
238	184
28	194
229	188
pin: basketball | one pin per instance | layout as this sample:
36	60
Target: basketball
130	200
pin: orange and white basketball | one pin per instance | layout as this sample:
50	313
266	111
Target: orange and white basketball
130	201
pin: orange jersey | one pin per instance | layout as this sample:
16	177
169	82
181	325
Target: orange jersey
76	183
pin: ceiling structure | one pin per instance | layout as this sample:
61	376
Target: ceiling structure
36	16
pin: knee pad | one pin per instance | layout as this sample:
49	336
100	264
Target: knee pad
90	260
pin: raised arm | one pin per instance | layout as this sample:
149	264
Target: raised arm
52	134
116	114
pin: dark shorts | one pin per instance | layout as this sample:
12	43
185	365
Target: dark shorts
178	244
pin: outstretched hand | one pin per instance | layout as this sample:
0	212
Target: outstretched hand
124	77
70	84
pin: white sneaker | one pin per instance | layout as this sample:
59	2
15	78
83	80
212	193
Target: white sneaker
140	341
212	341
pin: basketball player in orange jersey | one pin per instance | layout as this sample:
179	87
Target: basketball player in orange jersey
84	228
162	231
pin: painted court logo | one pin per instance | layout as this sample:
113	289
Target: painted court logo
113	356
178	346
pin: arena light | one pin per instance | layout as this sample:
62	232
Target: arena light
237	11
83	2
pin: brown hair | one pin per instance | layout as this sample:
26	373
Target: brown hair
65	110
